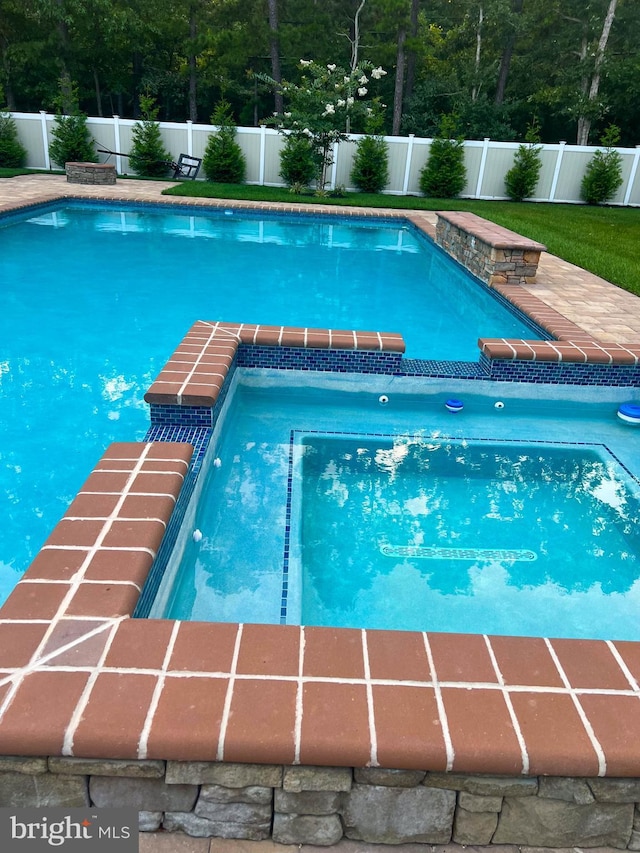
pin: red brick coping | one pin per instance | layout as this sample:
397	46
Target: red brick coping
571	344
79	677
194	374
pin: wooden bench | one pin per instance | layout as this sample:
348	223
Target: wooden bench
492	253
90	173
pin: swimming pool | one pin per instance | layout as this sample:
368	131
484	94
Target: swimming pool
325	507
95	295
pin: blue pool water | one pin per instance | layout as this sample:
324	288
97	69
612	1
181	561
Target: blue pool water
326	508
95	298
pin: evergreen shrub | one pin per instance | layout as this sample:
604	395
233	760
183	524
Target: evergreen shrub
298	162
71	141
223	159
603	176
13	154
370	171
444	175
148	157
522	178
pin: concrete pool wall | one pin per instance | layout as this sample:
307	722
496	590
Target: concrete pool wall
303	734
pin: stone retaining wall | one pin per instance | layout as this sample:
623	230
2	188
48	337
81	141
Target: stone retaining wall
321	805
494	254
90	173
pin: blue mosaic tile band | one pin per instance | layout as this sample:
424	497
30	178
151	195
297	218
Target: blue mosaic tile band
199	437
287	536
561	373
189	417
332	360
222	396
442	369
422	552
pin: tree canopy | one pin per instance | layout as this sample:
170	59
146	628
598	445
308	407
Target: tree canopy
496	65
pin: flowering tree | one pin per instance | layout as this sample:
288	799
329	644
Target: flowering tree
324	106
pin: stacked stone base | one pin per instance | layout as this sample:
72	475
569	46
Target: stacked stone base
493	254
322	805
90	173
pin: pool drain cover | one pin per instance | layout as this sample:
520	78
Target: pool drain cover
422	553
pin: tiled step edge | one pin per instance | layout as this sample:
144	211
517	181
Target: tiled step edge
586	351
195	373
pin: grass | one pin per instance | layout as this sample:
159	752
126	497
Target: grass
603	240
5	172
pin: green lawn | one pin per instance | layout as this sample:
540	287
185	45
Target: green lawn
604	240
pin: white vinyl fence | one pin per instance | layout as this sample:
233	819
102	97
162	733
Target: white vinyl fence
486	161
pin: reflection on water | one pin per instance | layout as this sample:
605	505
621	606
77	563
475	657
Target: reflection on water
230	226
429	523
405	523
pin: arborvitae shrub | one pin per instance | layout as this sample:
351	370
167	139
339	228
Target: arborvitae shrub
71	141
444	175
298	162
223	159
522	178
603	176
370	171
148	157
13	154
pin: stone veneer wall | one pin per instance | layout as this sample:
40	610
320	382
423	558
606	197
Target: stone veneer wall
321	805
90	173
493	254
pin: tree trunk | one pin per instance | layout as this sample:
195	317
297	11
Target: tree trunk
137	66
584	85
399	84
355	41
507	54
191	60
584	122
274	51
67	97
6	79
411	57
67	101
475	91
96	84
